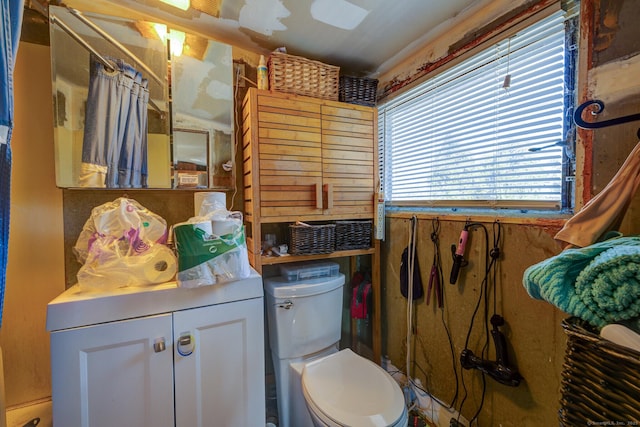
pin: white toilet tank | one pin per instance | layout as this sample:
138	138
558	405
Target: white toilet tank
304	315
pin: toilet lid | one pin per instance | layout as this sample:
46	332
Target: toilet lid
352	390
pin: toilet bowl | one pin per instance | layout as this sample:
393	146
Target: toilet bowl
345	389
316	384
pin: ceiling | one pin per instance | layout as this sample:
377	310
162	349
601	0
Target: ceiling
360	36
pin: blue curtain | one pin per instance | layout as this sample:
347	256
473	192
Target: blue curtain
11	15
114	146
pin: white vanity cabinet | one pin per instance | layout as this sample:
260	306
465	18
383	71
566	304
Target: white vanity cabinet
159	356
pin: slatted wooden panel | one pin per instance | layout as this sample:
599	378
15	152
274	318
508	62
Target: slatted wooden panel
349	158
290	156
252	221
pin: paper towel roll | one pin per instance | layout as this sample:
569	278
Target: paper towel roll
211	198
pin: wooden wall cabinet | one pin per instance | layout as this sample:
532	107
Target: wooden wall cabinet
308	159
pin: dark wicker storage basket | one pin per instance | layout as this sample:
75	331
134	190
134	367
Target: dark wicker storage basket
356	90
312	239
302	76
600	379
353	235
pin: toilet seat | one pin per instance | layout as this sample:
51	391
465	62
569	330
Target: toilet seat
345	389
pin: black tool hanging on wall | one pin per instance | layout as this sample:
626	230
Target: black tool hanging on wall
435	276
409	265
500	369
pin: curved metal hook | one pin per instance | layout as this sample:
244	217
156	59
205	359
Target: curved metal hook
577	116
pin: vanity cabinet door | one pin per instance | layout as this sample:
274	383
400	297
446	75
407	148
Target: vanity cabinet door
114	374
219	365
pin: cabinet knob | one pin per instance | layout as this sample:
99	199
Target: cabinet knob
159	345
186	344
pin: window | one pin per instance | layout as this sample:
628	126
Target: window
492	131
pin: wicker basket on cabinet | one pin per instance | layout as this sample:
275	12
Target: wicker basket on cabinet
353	235
302	76
306	239
358	90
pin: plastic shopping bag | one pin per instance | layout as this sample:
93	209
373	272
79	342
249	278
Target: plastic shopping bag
211	248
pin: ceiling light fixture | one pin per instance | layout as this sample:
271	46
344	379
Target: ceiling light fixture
180	4
176	42
176	38
161	30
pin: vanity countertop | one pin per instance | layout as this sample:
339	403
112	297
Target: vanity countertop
75	308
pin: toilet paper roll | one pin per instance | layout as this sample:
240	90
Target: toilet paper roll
209	199
161	267
157	265
224	227
205	226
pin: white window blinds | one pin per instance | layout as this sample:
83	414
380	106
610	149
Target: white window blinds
464	136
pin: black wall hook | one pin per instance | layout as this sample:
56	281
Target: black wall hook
577	116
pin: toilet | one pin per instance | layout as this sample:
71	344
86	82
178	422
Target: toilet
317	384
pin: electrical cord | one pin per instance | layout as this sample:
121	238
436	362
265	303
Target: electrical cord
410	268
493	254
435	238
490	277
491	258
469	225
426	390
235	135
411	265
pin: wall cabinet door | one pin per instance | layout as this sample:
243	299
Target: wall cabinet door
349	153
221	383
110	375
290	156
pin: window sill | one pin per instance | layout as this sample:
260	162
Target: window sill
511	216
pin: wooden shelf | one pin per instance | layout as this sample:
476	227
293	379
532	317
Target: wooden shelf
271	260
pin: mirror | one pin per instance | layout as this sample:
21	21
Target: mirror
202	111
120	86
190	159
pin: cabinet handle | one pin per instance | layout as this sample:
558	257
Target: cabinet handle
328	188
186	344
318	196
159	345
287	304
